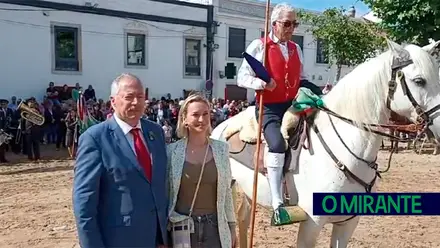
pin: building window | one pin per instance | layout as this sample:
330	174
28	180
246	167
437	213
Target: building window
321	57
66	41
298	39
236	42
136	49
192	57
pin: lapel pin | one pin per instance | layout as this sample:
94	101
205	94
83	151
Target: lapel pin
151	135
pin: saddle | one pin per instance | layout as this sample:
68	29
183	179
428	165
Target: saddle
242	131
243	140
246	125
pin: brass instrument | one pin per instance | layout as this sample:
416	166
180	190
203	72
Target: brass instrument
30	114
18	134
4	137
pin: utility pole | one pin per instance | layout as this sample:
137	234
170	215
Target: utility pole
211	30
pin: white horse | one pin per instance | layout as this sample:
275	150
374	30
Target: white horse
362	97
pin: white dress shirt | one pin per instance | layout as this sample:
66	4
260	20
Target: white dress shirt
246	76
160	115
128	135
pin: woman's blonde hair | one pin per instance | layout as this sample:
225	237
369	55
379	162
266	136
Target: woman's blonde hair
182	130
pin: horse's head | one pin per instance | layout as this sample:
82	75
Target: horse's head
414	88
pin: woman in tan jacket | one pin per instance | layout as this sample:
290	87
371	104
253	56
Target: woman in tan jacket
195	156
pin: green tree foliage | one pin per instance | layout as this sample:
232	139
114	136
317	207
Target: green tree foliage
345	40
413	21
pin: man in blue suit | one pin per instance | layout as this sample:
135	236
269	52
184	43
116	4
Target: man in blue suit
120	192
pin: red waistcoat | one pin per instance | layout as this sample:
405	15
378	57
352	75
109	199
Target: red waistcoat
285	73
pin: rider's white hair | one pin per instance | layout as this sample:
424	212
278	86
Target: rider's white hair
278	10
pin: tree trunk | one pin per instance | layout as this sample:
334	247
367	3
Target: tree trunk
338	72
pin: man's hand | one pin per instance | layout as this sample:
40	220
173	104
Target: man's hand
271	86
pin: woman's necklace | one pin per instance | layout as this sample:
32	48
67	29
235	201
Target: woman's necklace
197	152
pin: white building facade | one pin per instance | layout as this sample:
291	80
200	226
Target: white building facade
242	21
91	42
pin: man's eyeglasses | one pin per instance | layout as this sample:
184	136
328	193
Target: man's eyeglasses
288	24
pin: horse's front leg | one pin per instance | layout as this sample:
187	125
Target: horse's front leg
244	214
436	149
342	233
423	144
308	233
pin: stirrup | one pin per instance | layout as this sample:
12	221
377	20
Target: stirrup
281	217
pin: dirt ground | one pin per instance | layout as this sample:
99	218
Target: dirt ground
36	208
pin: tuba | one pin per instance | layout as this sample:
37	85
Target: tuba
30	114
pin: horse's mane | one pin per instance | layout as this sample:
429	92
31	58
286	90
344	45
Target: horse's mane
361	94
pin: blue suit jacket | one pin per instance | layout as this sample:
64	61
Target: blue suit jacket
113	202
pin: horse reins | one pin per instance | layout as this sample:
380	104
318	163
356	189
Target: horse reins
421	125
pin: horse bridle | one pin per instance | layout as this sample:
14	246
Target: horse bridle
423	117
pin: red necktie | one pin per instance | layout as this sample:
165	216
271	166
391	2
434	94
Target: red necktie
142	153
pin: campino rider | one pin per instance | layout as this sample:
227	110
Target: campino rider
284	64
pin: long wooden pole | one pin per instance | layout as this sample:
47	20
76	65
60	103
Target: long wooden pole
260	121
